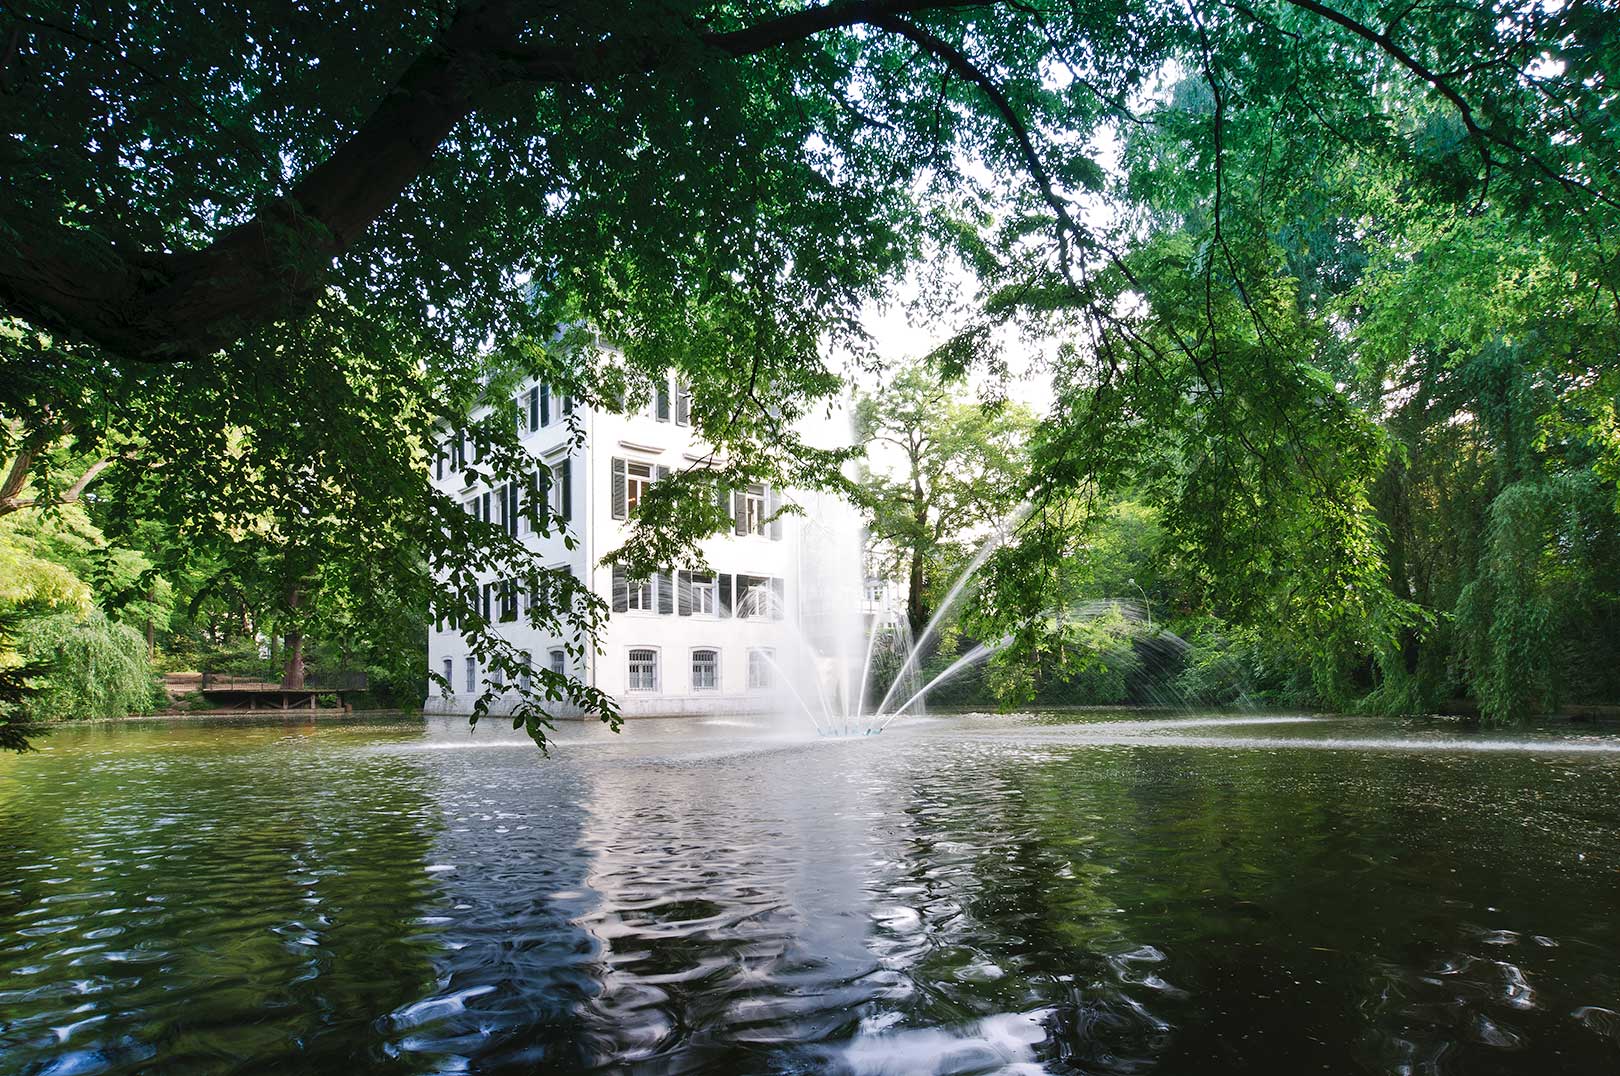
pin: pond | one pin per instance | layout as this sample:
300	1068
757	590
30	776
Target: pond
1082	893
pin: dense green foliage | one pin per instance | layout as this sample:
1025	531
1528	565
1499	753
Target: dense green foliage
98	667
955	474
254	261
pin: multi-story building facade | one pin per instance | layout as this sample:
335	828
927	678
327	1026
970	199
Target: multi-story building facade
679	642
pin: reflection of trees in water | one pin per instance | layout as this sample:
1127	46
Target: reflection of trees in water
196	893
1300	909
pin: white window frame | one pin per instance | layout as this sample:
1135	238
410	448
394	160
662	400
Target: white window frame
472	674
705	598
559	660
636	486
554	492
641	595
450	674
692	668
761	668
525	675
754	509
630	677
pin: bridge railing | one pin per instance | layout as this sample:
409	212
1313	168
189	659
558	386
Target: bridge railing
269	679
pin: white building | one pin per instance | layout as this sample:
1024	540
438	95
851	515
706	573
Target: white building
678	643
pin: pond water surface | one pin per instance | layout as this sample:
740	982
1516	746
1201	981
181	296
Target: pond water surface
1097	893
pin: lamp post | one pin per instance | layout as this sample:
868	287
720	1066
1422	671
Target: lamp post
1146	604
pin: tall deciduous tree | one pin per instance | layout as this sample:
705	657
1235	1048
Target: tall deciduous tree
943	472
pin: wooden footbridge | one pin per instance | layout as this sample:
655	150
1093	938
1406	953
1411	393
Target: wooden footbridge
231	691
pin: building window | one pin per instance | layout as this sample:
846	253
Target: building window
472	674
751	511
449	675
759	597
509	599
525	676
559	490
703	595
559	661
705	670
874	590
761	667
643	671
631	482
639	595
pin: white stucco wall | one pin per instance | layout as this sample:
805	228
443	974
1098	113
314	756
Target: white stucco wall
641	438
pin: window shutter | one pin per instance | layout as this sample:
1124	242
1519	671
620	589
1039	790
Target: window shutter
683	593
483	508
739	513
618	489
779	606
683	404
568	405
515	491
621	590
662	400
772	505
568	488
660	473
725	594
545	404
534	407
489	589
540	497
519	416
666	593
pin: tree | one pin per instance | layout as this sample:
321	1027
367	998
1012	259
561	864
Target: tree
959	468
277	252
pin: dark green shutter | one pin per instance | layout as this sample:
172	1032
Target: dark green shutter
545	405
568	488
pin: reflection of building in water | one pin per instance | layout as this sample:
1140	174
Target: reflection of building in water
727	903
678	642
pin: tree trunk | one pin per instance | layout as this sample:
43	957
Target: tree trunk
916	607
293	677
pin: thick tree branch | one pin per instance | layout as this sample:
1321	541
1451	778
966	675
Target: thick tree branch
10	502
165	307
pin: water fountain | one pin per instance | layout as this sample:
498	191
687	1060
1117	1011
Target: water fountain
829	678
843	644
